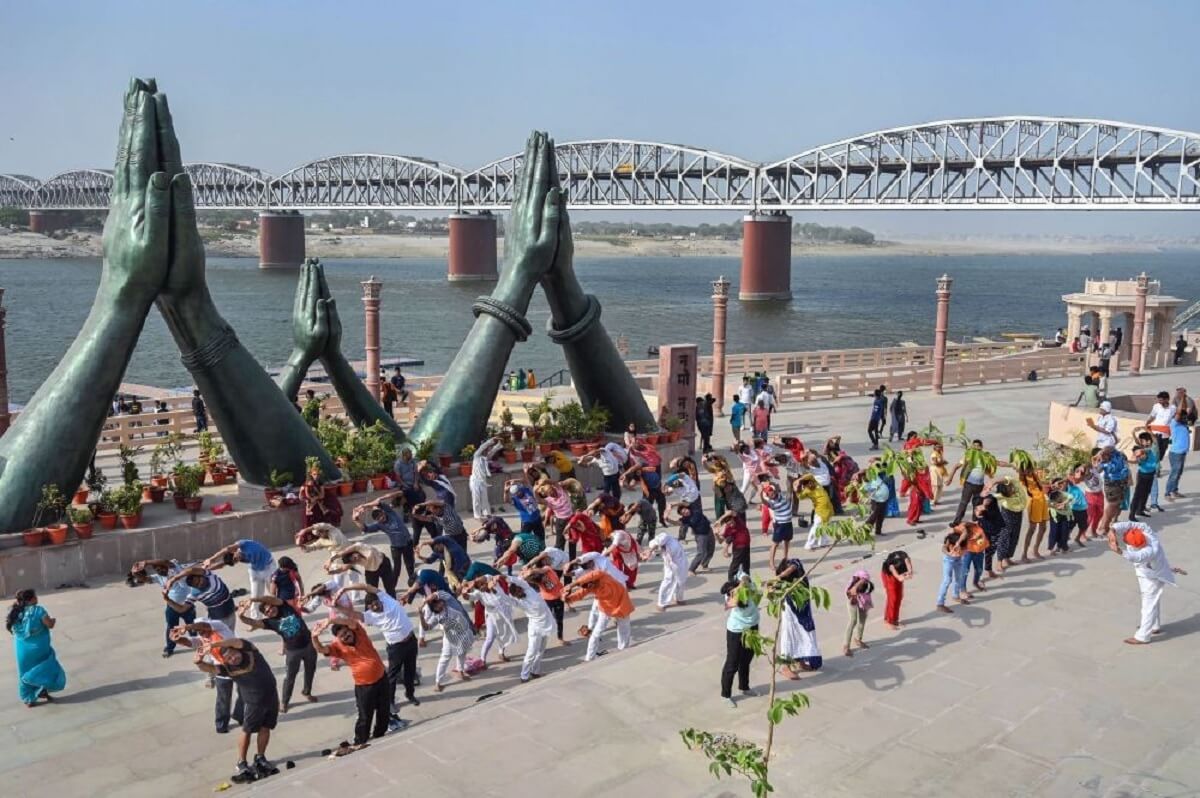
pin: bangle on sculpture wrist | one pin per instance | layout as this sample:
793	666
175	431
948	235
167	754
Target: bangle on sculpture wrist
506	313
212	352
590	317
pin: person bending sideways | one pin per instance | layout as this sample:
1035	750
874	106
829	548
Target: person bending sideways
279	616
242	662
352	645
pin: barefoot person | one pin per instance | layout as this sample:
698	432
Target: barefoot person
798	647
858	597
897	569
1153	570
38	671
457	637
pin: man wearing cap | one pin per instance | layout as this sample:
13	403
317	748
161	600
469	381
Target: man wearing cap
1105	426
1153	573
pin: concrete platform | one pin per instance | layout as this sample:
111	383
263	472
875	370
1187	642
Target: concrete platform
1028	691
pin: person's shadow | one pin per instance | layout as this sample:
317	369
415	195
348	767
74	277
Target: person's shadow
129	686
878	667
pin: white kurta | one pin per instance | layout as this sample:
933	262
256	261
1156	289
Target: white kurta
675	565
498	621
538	630
1153	572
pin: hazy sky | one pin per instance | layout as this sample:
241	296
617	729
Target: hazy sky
274	84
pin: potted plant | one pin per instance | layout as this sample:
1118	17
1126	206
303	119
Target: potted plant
49	514
334	435
650	434
506	419
106	510
465	460
423	449
81	521
311	411
81	495
527	452
445	461
129	469
279	480
34	537
596	422
673	425
205	441
360	474
187	486
550	436
128	499
159	456
95	483
509	453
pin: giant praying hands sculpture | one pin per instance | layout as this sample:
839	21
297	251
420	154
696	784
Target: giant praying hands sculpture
153	254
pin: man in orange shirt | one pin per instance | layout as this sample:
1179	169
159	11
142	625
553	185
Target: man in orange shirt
352	645
612	601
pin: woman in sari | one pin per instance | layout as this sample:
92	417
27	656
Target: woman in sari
583	532
318	506
798	646
38	671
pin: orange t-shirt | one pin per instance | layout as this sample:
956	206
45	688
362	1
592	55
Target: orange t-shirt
612	597
365	665
551	587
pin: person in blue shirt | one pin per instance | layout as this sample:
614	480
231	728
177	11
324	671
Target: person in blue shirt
878	414
1115	469
443	548
386	517
737	416
258	558
429	583
1145	454
1177	450
527	507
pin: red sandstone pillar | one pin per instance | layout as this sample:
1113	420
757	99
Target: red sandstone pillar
4	416
280	240
45	222
939	331
1139	325
766	257
372	288
472	247
720	298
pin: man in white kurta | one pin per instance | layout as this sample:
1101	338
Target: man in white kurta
675	564
497	616
480	471
1154	572
539	628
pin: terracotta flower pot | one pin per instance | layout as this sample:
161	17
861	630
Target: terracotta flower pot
159	481
130	521
179	501
219	477
527	454
360	485
34	537
379	482
57	534
271	493
518	432
444	460
330	489
464	469
651	439
345	488
580	449
545	448
193	504
83	531
510	456
81	496
107	520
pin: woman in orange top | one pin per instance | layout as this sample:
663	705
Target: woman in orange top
352	644
550	586
612	601
1039	514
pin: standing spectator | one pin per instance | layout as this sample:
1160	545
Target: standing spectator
899	417
878	415
746	395
897	569
704	421
1180	348
1177	451
766	395
761	419
199	411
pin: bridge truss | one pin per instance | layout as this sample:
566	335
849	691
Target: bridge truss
1022	163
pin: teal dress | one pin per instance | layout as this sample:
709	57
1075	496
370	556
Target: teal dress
37	667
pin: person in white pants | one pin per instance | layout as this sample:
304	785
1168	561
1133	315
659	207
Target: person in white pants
457	637
540	624
595	560
480	471
1154	572
675	564
497	615
613	599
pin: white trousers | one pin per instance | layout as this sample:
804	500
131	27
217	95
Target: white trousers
624	635
593	614
259	581
815	540
480	506
532	664
1152	590
747	479
449	653
498	628
670	590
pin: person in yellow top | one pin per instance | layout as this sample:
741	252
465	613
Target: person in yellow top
561	462
1011	497
1038	511
807	487
938	475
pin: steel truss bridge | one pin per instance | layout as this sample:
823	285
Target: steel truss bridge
1002	163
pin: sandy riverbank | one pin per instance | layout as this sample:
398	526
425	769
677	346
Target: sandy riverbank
73	244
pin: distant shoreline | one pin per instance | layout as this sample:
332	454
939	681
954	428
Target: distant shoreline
14	246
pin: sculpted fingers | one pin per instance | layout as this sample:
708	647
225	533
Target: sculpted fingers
143	154
168	142
157	224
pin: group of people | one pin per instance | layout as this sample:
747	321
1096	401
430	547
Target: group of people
568	546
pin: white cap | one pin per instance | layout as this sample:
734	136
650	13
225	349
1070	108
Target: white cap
1106	406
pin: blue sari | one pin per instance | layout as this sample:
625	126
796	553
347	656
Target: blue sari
893	503
37	667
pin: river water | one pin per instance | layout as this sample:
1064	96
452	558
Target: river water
839	301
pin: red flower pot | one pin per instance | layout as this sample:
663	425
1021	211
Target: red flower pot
57	534
510	456
130	521
518	432
81	496
545	448
527	454
271	493
153	493
651	439
83	531
179	501
218	477
330	489
379	482
360	485
193	504
580	449
34	537
464	469
159	482
444	460
107	520
345	488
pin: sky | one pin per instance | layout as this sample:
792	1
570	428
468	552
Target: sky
275	84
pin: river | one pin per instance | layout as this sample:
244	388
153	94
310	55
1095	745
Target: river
839	301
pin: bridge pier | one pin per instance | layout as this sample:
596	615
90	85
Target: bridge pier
472	247
46	222
280	240
766	257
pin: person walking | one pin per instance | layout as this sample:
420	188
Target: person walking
876	420
741	602
38	671
737	417
858	597
899	418
897	569
1153	570
1180	348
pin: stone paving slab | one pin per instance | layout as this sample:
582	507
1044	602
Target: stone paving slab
1029	691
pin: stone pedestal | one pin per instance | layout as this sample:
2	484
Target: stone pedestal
766	257
678	379
280	240
472	247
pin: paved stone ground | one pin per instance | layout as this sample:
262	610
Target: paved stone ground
1029	691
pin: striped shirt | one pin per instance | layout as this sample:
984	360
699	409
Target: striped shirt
215	596
454	624
781	507
449	522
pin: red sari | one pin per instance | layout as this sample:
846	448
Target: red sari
918	491
319	507
581	529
